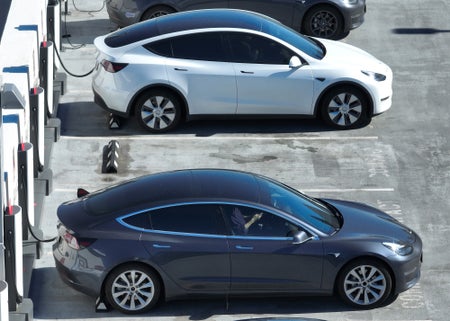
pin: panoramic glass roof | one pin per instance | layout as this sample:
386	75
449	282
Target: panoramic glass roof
211	18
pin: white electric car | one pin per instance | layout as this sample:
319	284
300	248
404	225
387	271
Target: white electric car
234	63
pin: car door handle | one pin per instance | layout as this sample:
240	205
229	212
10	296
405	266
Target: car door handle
161	246
247	72
240	247
180	69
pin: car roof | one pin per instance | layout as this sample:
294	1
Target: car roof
174	187
187	20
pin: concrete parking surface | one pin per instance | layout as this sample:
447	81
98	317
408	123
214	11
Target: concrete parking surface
400	163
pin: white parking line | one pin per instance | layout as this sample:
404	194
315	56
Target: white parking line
310	190
345	190
189	137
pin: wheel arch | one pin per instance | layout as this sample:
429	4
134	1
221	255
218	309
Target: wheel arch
132	104
372	257
144	264
322	5
144	12
333	86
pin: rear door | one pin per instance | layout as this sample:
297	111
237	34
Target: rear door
188	243
200	68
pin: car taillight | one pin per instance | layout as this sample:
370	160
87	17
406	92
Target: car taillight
112	67
72	241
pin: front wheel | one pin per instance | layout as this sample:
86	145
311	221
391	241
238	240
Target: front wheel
345	107
365	284
158	110
132	289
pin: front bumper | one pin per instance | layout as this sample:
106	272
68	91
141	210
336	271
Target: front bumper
407	272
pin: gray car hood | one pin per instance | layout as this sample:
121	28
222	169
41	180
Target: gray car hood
360	219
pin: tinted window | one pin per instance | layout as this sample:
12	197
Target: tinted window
254	222
198	218
249	48
201	46
139	220
162	48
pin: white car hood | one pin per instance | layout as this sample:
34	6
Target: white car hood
344	54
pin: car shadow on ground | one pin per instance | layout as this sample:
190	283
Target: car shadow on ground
63	302
87	119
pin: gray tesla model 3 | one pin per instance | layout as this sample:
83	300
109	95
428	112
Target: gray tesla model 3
207	232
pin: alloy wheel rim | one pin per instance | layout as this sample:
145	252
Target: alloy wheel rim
324	24
133	290
365	285
345	109
158	112
158	14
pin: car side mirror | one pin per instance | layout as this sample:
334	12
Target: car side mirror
295	62
301	237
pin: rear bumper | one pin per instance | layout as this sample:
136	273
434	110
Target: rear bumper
353	14
101	103
121	16
71	272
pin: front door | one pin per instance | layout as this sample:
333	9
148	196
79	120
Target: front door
264	258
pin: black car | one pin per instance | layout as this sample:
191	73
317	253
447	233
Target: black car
209	232
331	19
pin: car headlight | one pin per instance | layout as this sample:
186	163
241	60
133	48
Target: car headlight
350	1
400	249
374	75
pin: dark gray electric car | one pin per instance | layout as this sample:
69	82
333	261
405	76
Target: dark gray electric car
213	232
331	19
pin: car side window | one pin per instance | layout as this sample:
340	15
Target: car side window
189	218
255	49
248	221
201	46
161	47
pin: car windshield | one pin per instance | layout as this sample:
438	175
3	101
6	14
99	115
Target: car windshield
307	45
307	209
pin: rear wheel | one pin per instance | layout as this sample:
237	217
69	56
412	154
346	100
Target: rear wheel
132	289
323	22
156	12
345	107
158	110
365	284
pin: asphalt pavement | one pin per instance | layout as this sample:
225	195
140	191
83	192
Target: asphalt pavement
399	163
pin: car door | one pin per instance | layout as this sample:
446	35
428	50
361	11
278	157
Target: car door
281	10
264	257
265	82
188	244
200	68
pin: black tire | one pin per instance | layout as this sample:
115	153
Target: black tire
132	289
345	107
158	110
157	11
365	283
324	22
